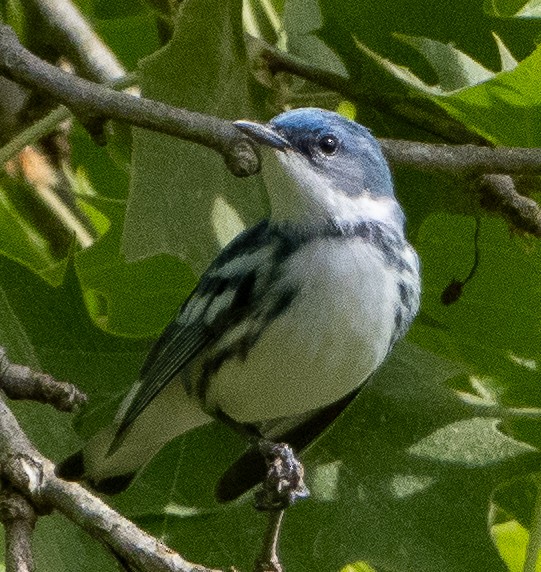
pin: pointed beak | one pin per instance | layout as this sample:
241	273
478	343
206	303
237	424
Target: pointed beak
262	134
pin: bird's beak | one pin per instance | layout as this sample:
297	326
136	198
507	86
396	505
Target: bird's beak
262	134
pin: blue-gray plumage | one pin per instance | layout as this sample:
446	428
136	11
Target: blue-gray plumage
292	317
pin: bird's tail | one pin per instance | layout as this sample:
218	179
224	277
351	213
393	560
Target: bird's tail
170	414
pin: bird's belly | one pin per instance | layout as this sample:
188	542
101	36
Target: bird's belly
334	335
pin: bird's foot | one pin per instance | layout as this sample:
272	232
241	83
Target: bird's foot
284	483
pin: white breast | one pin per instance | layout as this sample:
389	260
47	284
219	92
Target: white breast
333	336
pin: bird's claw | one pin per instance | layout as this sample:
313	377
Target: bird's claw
284	483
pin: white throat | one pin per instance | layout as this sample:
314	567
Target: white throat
300	194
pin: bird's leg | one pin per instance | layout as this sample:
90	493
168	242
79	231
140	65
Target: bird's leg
268	560
282	487
284	482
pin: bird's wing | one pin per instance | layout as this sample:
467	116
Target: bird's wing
221	298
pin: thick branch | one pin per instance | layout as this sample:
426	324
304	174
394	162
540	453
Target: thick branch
20	382
92	58
93	103
89	100
33	475
19	519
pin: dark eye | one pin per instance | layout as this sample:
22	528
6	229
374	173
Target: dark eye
328	144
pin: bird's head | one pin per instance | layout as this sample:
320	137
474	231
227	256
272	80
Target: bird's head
320	167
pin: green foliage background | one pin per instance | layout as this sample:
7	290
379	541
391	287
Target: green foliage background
434	466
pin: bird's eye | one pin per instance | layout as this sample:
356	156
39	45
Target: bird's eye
328	144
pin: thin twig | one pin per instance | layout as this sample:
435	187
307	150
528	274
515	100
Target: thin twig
20	382
499	194
93	59
50	123
93	104
462	159
268	560
19	519
46	181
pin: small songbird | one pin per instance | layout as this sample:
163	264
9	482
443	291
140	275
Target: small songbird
289	321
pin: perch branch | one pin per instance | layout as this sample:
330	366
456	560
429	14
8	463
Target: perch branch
268	560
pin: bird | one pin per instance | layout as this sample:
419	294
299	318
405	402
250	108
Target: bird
290	320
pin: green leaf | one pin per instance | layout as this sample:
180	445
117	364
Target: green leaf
455	69
182	196
463	23
302	22
492	329
128	28
134	299
358	567
513	8
19	240
487	107
511	539
498	341
104	175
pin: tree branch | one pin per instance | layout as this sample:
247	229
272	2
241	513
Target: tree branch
268	560
89	100
417	111
92	58
33	475
19	519
93	103
20	382
29	473
462	159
